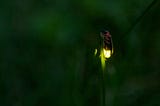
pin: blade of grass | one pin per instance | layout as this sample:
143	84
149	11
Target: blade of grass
141	16
102	77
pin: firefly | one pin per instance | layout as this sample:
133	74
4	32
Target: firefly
107	45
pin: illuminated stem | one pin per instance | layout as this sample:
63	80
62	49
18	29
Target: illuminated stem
103	65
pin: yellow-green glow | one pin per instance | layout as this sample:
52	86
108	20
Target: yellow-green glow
95	53
106	53
103	59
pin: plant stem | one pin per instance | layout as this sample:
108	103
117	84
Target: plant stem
102	77
103	89
141	16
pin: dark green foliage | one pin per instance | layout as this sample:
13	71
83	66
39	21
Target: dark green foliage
47	52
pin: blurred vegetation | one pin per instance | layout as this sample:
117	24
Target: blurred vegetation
47	52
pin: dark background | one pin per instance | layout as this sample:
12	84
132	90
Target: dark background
47	52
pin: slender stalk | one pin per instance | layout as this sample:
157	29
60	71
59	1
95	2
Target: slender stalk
102	77
102	89
141	16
